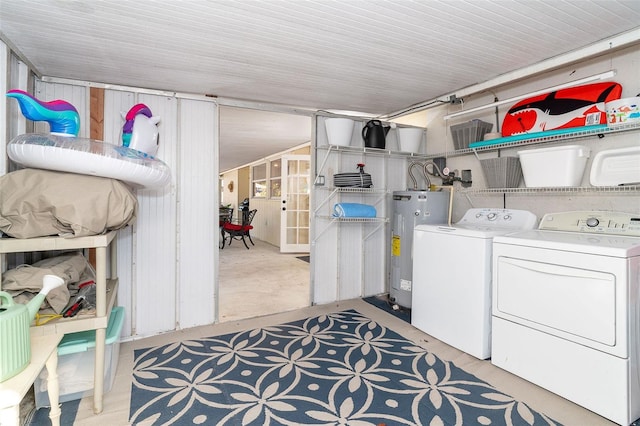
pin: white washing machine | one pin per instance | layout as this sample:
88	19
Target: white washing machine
565	309
451	295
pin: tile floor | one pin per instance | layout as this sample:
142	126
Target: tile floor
260	281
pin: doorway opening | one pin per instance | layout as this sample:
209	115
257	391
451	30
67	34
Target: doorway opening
261	280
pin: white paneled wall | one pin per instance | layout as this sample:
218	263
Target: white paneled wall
78	96
12	122
167	259
229	197
155	233
266	223
115	103
197	213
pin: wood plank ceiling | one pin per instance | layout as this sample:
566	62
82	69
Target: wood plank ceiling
371	56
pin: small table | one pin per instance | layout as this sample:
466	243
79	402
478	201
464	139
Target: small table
43	353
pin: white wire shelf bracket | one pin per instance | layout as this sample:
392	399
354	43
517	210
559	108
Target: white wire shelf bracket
372	151
348	190
332	220
355	190
354	219
583	133
618	190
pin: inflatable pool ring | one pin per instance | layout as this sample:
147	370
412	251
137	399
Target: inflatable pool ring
88	157
63	151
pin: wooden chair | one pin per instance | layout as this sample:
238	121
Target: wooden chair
231	231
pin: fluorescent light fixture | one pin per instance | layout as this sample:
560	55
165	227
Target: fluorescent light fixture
603	76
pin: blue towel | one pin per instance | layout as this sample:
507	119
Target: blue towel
353	210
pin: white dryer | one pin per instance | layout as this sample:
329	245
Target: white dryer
565	309
451	297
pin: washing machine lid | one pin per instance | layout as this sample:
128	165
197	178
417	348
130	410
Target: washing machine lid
598	244
485	223
473	231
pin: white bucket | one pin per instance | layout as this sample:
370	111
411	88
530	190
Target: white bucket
409	138
339	130
623	111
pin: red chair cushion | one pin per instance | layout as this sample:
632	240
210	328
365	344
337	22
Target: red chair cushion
236	227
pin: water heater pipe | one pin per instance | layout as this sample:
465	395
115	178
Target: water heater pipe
450	189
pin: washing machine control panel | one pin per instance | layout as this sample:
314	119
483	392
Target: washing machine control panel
503	218
593	222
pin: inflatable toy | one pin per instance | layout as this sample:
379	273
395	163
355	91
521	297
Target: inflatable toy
145	136
62	117
566	108
62	150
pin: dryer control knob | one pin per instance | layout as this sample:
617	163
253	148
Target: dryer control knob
592	222
492	216
507	217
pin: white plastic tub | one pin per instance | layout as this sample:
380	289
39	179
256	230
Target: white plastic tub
556	166
76	356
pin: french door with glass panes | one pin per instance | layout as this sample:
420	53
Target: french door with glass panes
294	214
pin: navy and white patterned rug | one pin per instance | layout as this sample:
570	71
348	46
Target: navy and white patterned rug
336	369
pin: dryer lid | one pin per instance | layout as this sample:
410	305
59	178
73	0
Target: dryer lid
597	244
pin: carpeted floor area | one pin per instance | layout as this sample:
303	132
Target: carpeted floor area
336	368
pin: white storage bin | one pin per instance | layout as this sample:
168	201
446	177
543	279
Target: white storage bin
76	358
551	167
